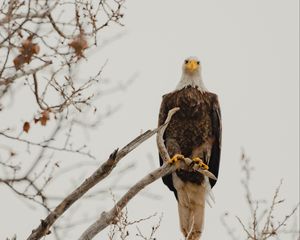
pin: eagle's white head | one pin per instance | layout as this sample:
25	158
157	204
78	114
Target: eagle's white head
191	75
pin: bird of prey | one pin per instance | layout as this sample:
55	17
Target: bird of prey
194	132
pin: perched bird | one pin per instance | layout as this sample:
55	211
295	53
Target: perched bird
194	132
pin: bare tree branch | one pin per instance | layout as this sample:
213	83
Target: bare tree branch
107	218
20	74
103	171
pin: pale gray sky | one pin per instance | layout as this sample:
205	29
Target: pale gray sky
250	56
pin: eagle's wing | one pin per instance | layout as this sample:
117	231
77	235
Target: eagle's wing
163	113
217	133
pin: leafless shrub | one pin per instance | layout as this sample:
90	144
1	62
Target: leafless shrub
151	235
262	223
42	44
44	41
122	226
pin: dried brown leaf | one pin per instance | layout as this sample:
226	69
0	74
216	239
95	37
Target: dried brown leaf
44	118
36	120
26	127
79	44
19	61
27	50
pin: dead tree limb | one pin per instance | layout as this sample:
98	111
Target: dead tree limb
107	218
103	171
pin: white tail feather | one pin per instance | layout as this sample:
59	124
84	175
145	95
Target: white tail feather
209	195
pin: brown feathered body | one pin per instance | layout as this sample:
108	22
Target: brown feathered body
194	131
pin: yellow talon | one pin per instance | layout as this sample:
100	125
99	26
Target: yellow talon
176	158
200	163
204	166
197	160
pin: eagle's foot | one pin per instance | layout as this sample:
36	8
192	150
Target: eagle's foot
176	158
200	163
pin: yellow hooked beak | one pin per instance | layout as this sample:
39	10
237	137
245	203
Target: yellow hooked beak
192	66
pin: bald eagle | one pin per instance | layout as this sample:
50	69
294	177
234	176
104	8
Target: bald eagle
193	132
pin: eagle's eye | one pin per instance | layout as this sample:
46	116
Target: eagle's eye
186	61
198	62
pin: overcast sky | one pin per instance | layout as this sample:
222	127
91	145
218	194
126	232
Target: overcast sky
250	56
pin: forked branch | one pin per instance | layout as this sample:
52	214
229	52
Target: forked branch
102	172
107	218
